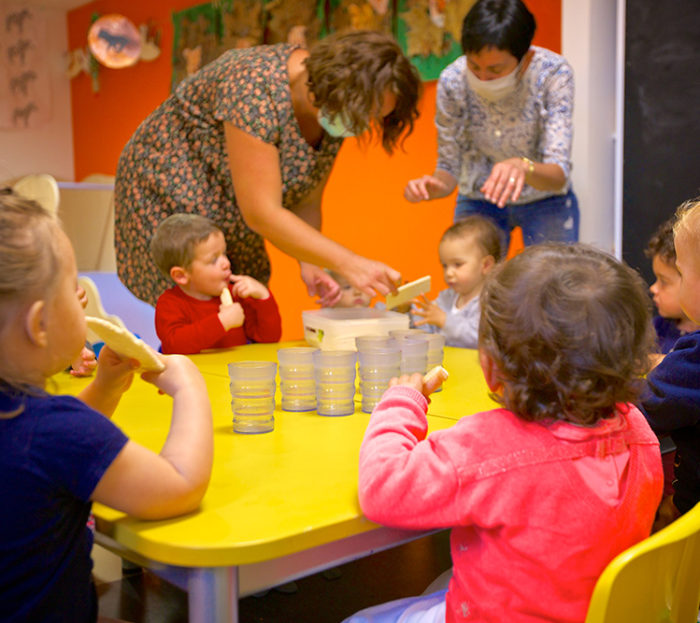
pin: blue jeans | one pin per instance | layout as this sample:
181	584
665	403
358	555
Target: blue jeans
554	219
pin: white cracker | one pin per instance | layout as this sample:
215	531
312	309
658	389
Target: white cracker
125	343
226	298
435	372
408	291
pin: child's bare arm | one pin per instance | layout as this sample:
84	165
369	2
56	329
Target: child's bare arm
156	486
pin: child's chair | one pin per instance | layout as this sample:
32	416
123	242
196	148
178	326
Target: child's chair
655	581
41	188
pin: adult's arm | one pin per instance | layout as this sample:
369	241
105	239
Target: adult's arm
255	171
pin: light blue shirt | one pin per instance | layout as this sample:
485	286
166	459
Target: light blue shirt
534	121
461	327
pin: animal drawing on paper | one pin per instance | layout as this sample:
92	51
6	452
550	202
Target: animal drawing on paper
23	113
19	49
17	19
20	83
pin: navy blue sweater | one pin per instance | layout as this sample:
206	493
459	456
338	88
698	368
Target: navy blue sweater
671	403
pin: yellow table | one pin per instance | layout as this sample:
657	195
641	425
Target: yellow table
280	505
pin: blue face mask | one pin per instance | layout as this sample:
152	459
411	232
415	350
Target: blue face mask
335	126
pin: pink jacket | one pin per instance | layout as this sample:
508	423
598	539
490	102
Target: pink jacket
537	511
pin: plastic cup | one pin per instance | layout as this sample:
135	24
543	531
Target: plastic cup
414	355
296	370
377	367
253	395
399	334
372	342
436	352
334	373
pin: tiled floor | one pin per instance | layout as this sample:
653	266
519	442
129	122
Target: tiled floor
395	573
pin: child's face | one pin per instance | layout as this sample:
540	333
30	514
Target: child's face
687	263
666	289
210	271
464	265
64	315
350	296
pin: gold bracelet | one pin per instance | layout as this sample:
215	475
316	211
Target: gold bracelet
530	164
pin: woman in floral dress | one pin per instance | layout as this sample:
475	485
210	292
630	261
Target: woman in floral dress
249	141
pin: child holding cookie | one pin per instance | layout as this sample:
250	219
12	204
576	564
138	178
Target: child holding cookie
58	454
208	307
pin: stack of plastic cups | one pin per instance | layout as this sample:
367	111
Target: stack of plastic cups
436	353
253	395
399	334
414	355
296	368
334	373
380	361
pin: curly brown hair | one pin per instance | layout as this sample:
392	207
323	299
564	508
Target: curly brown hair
349	73
568	328
661	244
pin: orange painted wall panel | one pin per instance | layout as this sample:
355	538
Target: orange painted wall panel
363	203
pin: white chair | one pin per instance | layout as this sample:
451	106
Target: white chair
41	188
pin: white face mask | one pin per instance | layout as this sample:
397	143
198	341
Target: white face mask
494	90
335	126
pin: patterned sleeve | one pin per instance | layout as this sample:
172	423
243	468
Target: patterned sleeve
450	120
555	140
244	99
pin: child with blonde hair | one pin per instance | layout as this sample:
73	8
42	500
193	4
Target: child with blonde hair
671	401
58	454
190	250
543	492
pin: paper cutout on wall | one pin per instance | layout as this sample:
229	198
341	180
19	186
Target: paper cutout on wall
25	86
114	41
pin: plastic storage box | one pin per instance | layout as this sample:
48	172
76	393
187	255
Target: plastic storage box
336	329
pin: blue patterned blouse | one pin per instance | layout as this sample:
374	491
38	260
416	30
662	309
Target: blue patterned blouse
534	121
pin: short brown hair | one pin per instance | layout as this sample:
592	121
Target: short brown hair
568	327
176	238
484	231
661	244
349	72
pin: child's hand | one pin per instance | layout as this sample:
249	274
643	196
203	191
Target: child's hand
429	312
245	287
84	364
82	296
115	373
179	373
231	315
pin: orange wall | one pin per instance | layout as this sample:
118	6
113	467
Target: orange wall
363	203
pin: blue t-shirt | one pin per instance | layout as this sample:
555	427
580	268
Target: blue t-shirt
667	333
52	455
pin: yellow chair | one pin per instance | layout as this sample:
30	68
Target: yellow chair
655	581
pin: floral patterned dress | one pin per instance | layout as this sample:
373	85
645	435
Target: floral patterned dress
176	161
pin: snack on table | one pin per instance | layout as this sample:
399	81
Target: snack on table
125	343
438	372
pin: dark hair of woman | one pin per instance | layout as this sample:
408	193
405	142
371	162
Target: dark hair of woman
349	74
502	24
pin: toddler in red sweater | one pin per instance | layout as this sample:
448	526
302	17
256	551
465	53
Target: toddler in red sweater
190	316
543	492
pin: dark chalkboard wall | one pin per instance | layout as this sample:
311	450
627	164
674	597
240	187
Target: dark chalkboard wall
662	118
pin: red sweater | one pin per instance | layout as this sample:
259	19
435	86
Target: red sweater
187	325
537	510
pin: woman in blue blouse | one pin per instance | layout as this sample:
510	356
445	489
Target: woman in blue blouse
504	120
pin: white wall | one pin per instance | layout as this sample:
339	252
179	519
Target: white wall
49	148
589	44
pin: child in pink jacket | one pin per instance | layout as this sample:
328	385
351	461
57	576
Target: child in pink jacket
542	493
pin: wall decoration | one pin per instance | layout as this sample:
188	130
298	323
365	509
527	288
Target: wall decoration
25	85
429	31
114	41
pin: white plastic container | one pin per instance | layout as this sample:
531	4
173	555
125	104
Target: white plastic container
336	329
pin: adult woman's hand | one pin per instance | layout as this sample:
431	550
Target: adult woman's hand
429	187
319	283
370	276
506	181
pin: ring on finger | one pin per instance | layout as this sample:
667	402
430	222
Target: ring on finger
511	180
